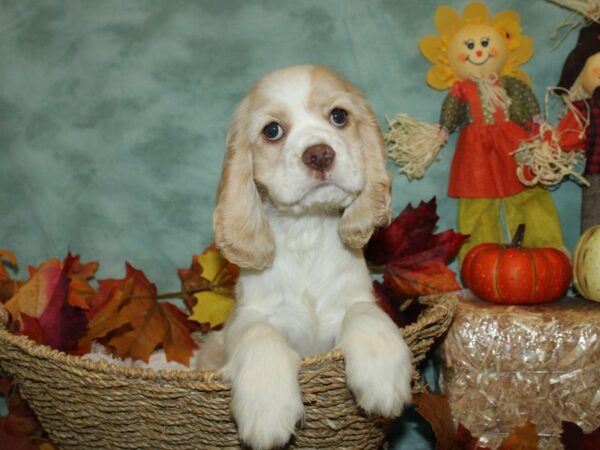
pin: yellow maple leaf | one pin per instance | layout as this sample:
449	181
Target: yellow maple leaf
214	306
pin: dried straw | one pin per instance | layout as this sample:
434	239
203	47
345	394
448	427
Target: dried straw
583	11
413	145
96	405
503	365
541	161
590	9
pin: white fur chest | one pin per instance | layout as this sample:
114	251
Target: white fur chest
313	280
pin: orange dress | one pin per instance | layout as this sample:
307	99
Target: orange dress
482	165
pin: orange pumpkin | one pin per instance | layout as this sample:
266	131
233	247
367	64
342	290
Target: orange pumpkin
515	275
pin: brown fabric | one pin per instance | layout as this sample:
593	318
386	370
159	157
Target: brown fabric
587	45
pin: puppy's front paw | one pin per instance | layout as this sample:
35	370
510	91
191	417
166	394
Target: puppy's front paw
267	419
267	413
381	380
266	401
378	363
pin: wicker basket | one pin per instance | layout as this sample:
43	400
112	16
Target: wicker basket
85	405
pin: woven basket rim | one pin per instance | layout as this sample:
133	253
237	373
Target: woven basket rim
438	306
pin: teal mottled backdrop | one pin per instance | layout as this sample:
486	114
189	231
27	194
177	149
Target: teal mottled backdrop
113	113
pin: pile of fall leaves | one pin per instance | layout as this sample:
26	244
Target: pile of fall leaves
61	304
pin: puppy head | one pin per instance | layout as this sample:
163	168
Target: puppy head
303	139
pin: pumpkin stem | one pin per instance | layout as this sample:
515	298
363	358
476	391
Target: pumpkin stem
517	239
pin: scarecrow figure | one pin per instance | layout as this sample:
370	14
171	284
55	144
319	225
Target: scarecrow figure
492	104
580	128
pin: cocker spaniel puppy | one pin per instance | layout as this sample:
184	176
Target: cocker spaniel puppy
303	187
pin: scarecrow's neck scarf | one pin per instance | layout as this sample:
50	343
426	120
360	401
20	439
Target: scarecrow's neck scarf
493	95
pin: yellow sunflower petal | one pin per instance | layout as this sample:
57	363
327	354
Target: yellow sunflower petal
447	21
508	24
507	16
431	47
212	308
440	77
523	52
476	13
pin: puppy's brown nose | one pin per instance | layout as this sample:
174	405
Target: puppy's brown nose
319	157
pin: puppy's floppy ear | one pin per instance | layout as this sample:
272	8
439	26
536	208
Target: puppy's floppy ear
242	232
371	209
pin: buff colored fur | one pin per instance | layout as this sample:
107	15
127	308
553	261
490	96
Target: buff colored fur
304	287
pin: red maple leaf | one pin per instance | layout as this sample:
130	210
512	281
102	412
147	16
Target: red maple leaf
466	441
414	258
403	311
411	235
573	437
60	325
17	428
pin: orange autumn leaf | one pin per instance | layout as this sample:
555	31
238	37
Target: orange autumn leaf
436	411
12	260
80	290
154	324
40	307
128	318
424	278
35	294
524	437
8	286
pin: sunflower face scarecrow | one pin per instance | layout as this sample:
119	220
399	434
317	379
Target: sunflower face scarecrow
492	105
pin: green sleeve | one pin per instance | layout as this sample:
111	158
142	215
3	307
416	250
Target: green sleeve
524	106
452	113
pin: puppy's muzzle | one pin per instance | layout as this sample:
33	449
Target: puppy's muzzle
319	157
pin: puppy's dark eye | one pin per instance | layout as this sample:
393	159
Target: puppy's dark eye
273	131
338	117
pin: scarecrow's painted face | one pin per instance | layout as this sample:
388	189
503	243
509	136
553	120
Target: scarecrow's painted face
590	75
477	50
